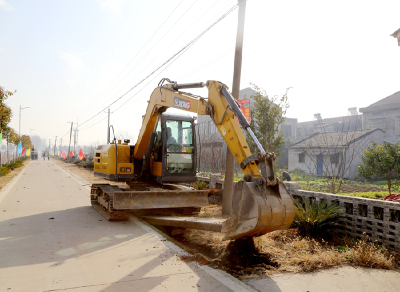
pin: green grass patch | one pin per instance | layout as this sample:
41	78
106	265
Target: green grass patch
370	195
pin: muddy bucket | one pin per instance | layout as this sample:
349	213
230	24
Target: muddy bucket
259	209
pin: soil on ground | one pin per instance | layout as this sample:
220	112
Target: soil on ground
273	253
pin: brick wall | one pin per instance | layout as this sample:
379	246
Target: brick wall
378	219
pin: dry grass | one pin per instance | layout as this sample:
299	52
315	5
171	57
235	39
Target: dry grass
367	254
287	251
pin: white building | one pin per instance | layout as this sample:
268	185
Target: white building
332	153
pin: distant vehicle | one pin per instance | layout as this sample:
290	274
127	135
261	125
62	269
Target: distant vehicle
34	154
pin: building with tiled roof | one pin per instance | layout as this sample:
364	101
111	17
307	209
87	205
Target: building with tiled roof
332	153
384	114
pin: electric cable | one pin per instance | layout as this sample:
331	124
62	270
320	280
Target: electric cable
170	59
179	18
141	49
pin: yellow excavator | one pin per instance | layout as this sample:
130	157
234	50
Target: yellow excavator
163	159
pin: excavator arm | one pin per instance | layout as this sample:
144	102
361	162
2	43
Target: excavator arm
223	110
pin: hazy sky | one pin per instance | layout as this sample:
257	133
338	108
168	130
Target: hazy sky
68	60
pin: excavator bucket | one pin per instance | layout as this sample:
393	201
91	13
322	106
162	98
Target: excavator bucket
259	209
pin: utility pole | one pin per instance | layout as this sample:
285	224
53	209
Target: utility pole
75	139
55	146
230	160
77	131
61	145
108	128
49	145
70	136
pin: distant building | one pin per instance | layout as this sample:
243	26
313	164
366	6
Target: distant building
332	153
384	114
351	122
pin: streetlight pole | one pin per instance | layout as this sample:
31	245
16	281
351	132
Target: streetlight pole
20	109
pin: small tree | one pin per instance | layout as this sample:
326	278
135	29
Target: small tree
381	161
267	115
5	111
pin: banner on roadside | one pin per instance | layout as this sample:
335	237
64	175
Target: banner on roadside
245	108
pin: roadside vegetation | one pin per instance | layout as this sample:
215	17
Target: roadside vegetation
9	170
372	188
85	162
6	168
310	244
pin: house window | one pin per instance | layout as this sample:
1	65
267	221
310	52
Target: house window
302	157
335	158
376	124
397	126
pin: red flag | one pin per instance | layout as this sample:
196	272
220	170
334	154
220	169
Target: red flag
64	155
23	150
71	154
81	155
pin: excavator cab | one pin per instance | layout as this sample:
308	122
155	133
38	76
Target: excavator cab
173	158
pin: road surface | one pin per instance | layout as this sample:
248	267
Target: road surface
51	239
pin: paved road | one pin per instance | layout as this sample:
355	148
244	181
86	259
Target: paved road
51	239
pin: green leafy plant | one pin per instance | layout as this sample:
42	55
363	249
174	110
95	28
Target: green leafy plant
267	114
380	161
315	218
200	185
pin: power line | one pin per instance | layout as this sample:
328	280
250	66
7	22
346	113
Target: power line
140	50
94	124
187	46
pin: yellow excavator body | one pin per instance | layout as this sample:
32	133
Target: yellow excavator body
165	156
105	161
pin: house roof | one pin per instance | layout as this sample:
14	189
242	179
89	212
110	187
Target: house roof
391	99
329	139
329	121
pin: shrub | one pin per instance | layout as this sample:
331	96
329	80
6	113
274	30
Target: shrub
200	185
89	164
4	171
315	218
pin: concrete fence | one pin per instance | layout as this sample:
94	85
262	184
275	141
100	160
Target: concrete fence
378	219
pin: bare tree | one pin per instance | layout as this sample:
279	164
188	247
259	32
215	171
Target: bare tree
211	149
